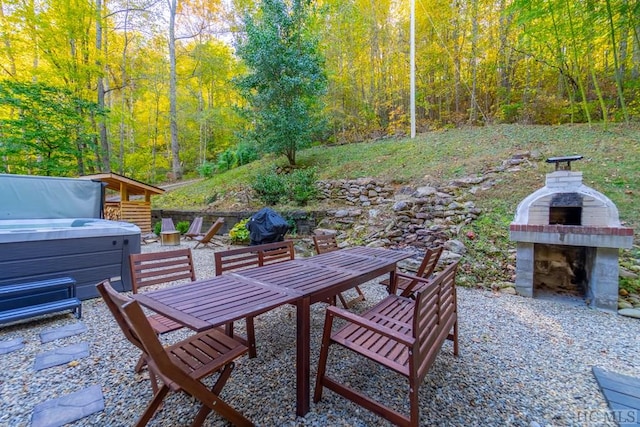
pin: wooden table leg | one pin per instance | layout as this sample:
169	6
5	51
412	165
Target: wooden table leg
303	360
392	282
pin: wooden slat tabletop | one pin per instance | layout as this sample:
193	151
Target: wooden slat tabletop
297	276
207	303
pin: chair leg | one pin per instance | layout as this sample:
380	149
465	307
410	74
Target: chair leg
140	365
352	302
414	405
324	353
216	389
344	302
455	338
153	406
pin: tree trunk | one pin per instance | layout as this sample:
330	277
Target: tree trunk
618	77
11	67
103	158
473	107
173	115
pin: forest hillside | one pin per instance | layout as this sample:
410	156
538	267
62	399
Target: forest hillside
611	165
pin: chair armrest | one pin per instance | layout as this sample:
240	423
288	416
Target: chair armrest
414	282
370	325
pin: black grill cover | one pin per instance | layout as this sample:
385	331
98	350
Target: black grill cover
266	226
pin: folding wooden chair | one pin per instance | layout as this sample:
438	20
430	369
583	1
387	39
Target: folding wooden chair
399	333
208	237
161	267
328	243
195	229
405	283
181	366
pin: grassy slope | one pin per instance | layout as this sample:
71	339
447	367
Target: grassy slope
611	165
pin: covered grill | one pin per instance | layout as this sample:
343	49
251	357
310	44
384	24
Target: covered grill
266	226
568	237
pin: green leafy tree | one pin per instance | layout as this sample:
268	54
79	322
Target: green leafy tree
285	78
44	129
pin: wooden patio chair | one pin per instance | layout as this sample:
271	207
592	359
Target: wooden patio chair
156	268
195	229
406	283
399	333
208	238
328	243
181	366
250	257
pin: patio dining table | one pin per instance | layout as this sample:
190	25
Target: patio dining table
208	303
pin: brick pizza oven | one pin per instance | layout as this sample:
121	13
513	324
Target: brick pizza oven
568	237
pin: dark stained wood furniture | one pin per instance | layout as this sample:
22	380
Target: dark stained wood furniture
209	237
328	243
250	257
406	283
181	366
158	268
246	293
253	256
401	334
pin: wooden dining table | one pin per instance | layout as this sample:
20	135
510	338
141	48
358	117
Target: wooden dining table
208	303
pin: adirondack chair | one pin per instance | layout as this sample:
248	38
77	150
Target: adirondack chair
405	283
181	366
328	243
208	238
399	333
195	229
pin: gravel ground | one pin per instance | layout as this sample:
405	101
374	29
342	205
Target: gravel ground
523	362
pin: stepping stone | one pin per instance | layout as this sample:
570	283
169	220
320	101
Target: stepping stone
11	345
68	408
61	355
62	332
622	393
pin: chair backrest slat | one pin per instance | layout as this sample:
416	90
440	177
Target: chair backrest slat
253	256
427	266
137	329
429	262
325	243
161	267
115	302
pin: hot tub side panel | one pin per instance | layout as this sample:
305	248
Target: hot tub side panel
87	260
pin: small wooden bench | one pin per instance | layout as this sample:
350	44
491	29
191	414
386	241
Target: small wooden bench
249	257
400	333
37	298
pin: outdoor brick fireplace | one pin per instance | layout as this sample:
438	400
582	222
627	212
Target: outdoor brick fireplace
568	237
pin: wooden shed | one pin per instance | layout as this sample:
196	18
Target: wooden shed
134	201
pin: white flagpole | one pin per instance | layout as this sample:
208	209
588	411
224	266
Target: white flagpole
413	68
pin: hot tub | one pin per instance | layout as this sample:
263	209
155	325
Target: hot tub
86	249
